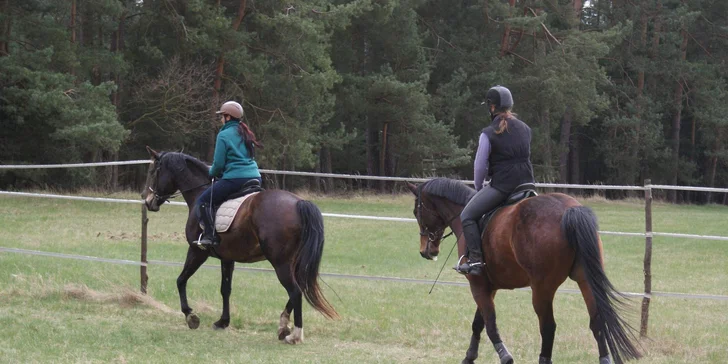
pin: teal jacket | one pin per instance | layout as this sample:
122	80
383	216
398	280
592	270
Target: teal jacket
231	158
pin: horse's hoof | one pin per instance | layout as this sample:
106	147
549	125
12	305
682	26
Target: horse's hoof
467	361
220	325
193	321
283	332
503	354
294	338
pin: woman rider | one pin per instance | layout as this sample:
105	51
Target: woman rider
233	166
504	154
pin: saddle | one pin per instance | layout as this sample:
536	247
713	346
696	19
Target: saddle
249	187
521	192
225	214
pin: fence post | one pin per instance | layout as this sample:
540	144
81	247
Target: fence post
648	259
143	268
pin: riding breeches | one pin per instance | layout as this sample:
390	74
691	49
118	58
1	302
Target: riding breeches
485	200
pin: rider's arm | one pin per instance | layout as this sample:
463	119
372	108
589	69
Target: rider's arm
218	161
481	161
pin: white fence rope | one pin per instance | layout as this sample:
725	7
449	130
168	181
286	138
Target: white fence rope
72	165
335	275
346	216
72	256
380	178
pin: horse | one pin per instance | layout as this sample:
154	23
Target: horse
273	224
537	242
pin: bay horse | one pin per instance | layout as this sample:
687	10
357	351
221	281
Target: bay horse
274	224
537	242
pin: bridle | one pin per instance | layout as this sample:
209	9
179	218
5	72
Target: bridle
424	231
161	199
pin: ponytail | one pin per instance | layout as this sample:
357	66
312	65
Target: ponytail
503	124
248	138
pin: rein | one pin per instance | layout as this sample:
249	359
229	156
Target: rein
164	198
424	231
431	236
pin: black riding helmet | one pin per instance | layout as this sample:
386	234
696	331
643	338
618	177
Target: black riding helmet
500	97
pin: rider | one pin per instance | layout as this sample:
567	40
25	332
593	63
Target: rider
233	166
504	154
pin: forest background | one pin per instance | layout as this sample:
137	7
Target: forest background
616	91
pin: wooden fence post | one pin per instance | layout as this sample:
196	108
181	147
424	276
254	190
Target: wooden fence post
143	268
648	259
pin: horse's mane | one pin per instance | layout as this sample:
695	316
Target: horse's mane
454	191
178	162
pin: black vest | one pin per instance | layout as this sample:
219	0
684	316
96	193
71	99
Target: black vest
510	155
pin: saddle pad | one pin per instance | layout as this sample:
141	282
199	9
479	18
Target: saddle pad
227	211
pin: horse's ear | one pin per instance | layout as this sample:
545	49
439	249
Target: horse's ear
412	188
152	153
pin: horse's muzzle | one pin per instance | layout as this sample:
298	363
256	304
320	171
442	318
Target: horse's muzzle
152	205
428	256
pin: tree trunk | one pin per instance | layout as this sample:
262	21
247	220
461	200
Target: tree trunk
219	70
116	47
317	169
547	153
578	5
711	179
506	39
575	159
371	139
5	28
656	38
640	100
328	169
676	117
73	21
383	157
212	135
564	146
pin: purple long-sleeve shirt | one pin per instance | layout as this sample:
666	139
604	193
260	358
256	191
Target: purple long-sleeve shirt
481	163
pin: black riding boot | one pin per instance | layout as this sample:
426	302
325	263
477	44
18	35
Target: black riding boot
208	233
473	242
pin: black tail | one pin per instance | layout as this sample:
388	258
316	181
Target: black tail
305	264
579	224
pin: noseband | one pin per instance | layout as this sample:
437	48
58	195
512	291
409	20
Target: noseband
160	199
424	231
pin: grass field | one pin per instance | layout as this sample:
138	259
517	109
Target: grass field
59	310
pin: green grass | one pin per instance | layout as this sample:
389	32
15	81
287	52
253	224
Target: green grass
58	310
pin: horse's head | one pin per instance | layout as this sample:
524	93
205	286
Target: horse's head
432	225
160	183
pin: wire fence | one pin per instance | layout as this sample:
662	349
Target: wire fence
648	234
383	178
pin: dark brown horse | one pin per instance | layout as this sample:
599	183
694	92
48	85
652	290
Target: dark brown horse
274	225
538	243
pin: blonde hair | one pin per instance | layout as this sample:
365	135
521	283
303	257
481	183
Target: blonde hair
503	125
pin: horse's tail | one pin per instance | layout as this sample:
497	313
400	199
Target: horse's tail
579	225
305	264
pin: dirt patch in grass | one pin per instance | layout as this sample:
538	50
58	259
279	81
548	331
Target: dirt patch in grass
125	297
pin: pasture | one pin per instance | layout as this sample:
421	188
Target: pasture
61	310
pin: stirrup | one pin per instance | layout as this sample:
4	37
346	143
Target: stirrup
203	242
465	268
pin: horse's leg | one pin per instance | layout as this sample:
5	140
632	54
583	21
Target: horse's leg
478	325
542	299
295	300
227	268
485	300
595	323
283	329
195	258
